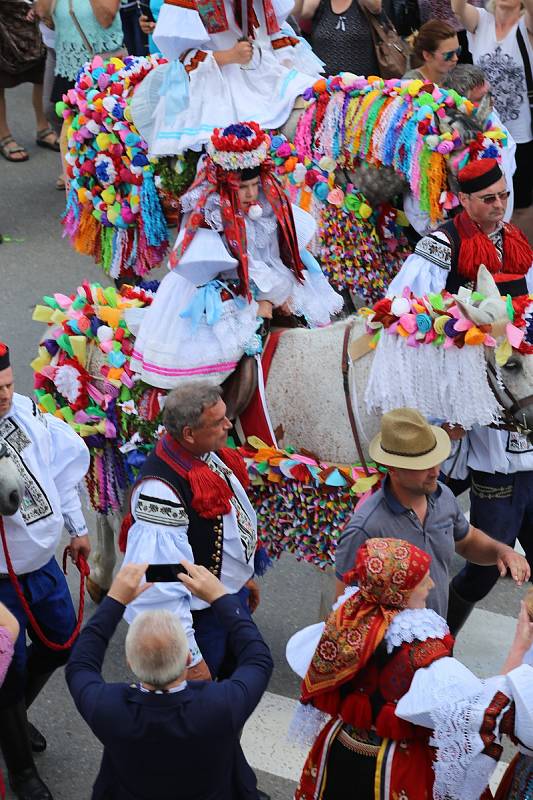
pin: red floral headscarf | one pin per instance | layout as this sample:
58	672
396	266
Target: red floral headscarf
386	570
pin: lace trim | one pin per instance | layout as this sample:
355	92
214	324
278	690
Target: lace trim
305	725
259	232
415	623
461	773
72	55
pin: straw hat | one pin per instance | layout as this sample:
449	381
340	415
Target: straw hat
407	440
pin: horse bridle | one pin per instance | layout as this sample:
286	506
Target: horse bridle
508	414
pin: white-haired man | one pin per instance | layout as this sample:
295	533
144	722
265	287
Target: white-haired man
160	733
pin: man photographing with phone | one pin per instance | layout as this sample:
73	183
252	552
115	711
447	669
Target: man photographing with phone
158	732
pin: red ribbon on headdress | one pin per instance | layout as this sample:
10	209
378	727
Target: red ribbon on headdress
274	193
226	183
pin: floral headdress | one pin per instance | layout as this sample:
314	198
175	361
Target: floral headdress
240	146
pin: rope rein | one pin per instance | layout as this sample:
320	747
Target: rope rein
84	569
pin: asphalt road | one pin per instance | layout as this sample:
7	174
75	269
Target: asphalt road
37	262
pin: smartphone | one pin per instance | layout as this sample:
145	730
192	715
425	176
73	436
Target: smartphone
144	9
164	573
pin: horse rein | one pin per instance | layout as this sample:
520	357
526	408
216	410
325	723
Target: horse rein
345	366
508	415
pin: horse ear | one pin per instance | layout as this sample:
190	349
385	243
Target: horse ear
485	284
491	309
484	109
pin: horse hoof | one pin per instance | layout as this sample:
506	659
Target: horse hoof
96	593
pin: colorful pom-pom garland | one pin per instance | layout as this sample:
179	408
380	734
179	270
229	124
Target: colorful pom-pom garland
360	249
437	320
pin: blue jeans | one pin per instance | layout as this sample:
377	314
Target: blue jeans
502	506
212	639
48	597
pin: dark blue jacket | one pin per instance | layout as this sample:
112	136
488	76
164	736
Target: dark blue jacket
176	746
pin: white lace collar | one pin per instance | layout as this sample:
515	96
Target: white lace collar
415	623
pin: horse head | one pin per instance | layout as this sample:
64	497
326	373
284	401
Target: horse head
469	126
11	485
511	382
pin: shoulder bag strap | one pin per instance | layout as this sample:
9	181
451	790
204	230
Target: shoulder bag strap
527	63
86	42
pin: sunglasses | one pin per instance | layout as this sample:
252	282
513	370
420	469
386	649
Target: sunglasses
449	54
490	199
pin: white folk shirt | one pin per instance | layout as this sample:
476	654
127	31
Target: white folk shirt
159	536
51	460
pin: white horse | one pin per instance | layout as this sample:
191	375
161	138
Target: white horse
307	401
11	486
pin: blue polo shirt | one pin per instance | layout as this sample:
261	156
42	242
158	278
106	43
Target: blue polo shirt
382	515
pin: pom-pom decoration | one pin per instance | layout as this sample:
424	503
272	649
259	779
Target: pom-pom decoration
113	212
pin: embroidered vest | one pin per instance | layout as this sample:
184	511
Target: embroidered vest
205	535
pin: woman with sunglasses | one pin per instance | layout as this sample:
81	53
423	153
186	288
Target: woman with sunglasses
436	51
499	43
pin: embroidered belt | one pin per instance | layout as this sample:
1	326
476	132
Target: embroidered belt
492	492
356	746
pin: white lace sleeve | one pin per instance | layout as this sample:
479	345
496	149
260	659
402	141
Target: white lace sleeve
415	624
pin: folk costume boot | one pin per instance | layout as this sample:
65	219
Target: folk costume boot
34	683
16	748
459	610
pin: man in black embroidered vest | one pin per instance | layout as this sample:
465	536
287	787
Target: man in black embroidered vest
190	503
450	256
499	462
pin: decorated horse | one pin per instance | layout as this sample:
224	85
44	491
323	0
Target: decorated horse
465	359
11	487
357	145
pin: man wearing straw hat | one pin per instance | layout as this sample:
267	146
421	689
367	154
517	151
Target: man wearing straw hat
413	505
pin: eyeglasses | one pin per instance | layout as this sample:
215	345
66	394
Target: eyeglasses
449	54
490	199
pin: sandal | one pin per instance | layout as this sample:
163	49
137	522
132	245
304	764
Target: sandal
43	135
9	152
60	184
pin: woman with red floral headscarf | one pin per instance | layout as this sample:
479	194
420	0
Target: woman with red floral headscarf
370	648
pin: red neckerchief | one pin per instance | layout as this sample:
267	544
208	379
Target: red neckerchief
477	248
211	494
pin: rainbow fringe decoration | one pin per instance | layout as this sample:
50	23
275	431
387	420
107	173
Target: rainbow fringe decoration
113	212
394	123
